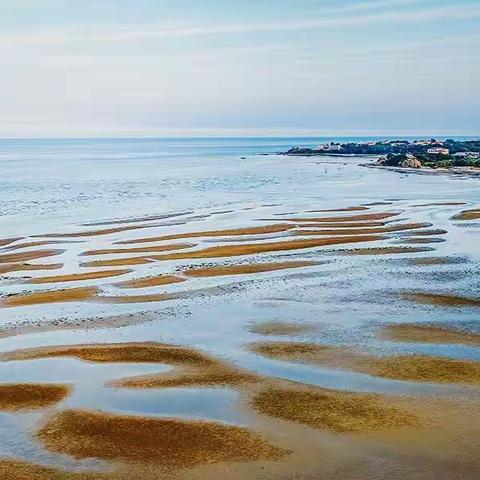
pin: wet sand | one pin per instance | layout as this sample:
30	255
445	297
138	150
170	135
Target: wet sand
77	277
365	231
125	299
8	241
19	397
349	218
422	368
19	470
117	262
245	269
385	250
468	215
280	328
213	233
335	411
167	443
50	296
442	300
26	256
151	281
94	233
19	267
252	248
418	333
148	352
431	261
158	248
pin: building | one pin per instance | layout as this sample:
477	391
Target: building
467	155
328	147
439	151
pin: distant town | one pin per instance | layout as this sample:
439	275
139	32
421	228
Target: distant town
404	153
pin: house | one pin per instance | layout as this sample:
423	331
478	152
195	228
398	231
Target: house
467	155
439	151
326	147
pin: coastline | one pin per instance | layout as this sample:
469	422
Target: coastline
472	172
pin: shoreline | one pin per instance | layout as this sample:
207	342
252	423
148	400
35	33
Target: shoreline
428	171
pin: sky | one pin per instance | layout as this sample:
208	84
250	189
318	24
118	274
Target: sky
126	68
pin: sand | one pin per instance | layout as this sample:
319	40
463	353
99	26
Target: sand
94	233
26	256
336	411
20	470
8	241
157	248
364	231
430	261
421	368
252	248
347	209
40	243
213	233
220	375
349	218
275	328
124	299
150	281
19	397
468	215
245	269
148	218
442	300
76	277
167	443
117	262
148	352
421	333
440	204
50	296
18	267
385	250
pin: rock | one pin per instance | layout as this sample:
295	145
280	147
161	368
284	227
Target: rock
410	162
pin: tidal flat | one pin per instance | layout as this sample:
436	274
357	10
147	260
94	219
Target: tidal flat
195	310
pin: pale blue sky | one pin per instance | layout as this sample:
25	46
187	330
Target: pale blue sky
224	67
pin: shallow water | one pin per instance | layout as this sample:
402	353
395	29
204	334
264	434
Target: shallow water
73	187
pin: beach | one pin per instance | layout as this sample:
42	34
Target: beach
202	308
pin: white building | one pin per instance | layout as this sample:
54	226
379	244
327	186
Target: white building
439	151
467	155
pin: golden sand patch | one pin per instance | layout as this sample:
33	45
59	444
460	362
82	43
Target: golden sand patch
350	218
422	240
150	281
252	248
427	233
342	225
280	328
94	233
427	261
19	470
40	243
157	248
336	411
442	300
245	269
364	231
124	299
18	267
468	215
385	250
422	368
15	397
213	233
8	241
417	332
148	352
50	296
168	443
26	256
219	375
117	262
76	277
